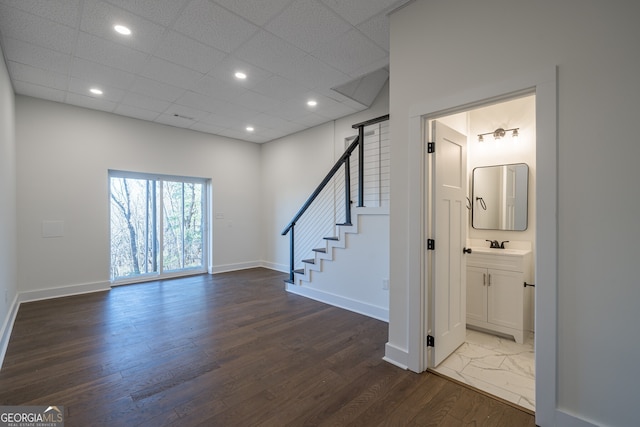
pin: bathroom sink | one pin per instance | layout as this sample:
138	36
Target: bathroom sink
508	251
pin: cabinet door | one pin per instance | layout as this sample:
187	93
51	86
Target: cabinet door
505	296
476	294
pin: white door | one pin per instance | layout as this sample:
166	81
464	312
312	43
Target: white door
449	230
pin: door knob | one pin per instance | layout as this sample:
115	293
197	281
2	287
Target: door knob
466	250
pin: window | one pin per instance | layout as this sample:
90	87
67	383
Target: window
158	225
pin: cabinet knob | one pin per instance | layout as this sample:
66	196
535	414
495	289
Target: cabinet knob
466	250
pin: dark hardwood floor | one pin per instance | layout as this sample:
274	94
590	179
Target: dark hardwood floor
234	349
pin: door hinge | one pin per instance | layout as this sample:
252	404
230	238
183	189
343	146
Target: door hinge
431	147
430	341
431	244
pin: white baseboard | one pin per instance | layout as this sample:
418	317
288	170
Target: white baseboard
63	291
342	302
396	356
225	268
277	267
7	327
565	419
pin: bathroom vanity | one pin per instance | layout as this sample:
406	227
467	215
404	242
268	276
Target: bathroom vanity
496	297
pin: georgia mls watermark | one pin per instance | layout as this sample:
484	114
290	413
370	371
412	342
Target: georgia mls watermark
31	416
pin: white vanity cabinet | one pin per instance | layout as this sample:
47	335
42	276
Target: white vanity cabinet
495	290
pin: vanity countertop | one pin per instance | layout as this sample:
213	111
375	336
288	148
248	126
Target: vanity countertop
507	252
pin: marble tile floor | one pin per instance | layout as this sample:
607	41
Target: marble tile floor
496	365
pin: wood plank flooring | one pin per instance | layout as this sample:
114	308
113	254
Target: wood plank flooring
233	349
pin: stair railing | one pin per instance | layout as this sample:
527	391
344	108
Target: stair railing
343	160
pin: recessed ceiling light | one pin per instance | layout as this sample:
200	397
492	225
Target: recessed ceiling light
312	103
95	91
249	129
122	30
240	75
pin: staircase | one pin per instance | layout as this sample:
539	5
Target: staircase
324	222
325	252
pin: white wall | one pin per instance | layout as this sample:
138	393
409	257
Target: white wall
63	157
442	49
293	166
8	220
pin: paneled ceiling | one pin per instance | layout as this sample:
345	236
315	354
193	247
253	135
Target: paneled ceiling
177	66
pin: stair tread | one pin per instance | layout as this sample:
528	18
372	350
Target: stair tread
323	250
299	271
345	224
309	261
331	238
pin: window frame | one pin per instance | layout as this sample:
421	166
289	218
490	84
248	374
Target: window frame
162	273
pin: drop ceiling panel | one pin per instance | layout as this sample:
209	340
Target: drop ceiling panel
332	109
38	76
214	26
156	89
60	11
136	113
106	52
257	11
36	30
312	73
99	18
207	128
187	51
255	101
308	24
185	113
239	113
358	11
30	89
311	119
172	120
163	12
270	52
215	119
101	75
90	102
279	88
81	87
167	72
182	50
36	56
377	29
219	89
200	102
350	52
135	100
231	64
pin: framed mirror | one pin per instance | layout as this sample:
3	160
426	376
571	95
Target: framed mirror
500	197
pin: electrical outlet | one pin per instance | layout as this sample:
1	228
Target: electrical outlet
385	284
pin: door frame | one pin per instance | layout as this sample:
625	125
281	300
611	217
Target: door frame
544	84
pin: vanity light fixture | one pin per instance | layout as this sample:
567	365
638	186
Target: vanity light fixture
121	29
499	133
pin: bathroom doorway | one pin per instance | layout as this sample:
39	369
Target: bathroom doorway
499	133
